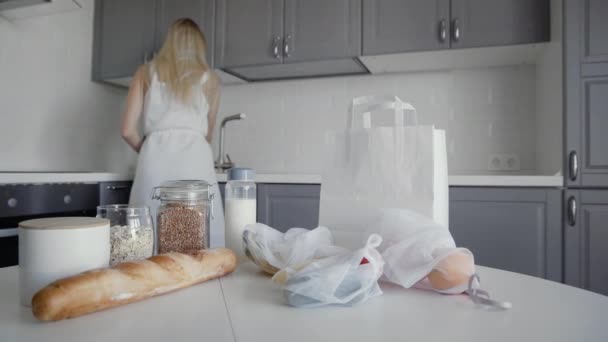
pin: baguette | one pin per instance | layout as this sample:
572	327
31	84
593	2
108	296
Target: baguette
129	282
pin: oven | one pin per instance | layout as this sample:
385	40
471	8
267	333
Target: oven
20	202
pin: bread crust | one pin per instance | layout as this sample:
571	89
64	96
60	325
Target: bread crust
129	282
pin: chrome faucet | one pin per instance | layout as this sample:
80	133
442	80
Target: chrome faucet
223	161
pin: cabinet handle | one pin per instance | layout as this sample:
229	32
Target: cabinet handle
455	30
571	211
443	31
286	46
276	42
116	187
573	165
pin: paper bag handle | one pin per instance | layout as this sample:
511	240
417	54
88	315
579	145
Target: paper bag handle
365	105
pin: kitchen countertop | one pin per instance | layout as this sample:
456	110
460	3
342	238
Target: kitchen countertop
454	180
247	306
61	177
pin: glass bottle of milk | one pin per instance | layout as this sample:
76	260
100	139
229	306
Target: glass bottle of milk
240	207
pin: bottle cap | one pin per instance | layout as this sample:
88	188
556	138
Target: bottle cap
241	174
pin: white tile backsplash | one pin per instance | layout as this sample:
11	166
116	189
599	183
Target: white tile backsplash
486	110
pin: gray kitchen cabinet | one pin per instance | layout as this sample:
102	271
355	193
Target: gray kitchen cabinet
586	93
320	29
391	26
249	32
586	238
123	37
277	39
201	11
476	23
284	206
394	26
595	30
517	230
114	192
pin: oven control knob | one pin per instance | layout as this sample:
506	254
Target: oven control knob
67	199
12	202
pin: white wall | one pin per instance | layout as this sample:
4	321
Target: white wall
490	110
52	117
549	100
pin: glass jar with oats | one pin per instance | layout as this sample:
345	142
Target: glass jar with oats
183	217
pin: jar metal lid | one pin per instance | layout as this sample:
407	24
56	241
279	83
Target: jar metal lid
54	223
125	209
183	190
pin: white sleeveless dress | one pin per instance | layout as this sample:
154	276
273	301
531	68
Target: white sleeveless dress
175	148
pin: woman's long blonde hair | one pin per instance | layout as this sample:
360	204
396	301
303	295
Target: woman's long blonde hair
181	62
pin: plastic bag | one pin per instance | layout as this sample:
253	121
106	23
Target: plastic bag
273	250
349	278
422	253
413	245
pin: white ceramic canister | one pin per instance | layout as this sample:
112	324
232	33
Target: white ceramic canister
59	247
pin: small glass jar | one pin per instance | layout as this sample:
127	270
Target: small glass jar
240	207
183	219
131	232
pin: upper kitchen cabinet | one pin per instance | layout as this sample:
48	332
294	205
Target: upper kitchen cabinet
124	37
586	92
275	39
392	26
321	29
249	32
396	26
518	230
201	11
594	14
586	238
477	23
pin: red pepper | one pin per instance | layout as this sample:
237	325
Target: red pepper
364	261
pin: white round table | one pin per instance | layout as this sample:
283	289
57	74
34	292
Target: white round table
247	306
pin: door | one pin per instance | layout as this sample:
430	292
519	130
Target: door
392	26
284	206
517	230
477	23
593	154
321	30
249	32
595	30
586	96
124	37
586	238
201	11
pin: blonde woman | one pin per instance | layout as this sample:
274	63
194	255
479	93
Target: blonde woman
176	96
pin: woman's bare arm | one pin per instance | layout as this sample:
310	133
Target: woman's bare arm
133	110
214	103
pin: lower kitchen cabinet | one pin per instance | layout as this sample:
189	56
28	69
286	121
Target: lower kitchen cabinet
114	192
284	206
586	239
514	229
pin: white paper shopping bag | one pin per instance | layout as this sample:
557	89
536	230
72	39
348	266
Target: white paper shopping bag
369	168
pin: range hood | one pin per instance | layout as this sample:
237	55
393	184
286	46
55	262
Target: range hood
19	9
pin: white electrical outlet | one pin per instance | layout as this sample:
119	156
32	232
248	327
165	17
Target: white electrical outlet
503	162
